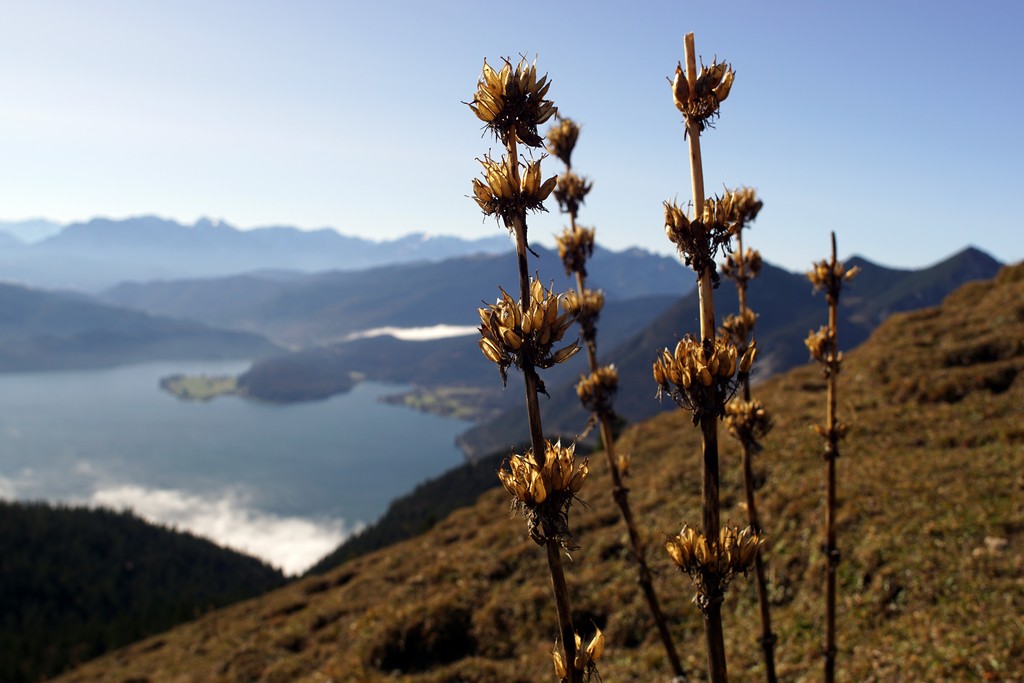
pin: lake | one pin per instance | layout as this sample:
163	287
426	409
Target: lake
284	482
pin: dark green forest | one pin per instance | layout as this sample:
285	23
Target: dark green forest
77	582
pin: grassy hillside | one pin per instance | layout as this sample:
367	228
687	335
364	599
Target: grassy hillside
77	582
930	525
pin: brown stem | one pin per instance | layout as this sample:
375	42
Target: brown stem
709	501
561	592
831	453
532	382
767	638
620	494
741	290
708	424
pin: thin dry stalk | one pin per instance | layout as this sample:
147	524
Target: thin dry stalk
575	246
709	423
742	271
824	346
702	374
544	481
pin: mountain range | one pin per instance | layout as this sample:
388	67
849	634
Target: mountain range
304	310
101	252
44	330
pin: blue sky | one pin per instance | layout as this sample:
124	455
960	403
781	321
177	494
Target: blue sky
895	124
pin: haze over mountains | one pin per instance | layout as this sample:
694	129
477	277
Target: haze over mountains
101	252
301	310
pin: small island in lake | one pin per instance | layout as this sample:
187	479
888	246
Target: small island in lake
199	387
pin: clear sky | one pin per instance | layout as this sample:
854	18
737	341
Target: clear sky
898	124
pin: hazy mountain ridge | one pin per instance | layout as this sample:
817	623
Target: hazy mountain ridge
42	330
929	513
101	252
325	307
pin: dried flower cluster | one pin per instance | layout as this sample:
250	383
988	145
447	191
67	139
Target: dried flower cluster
837	433
561	139
586	308
543	491
699	239
511	102
585	656
701	377
597	389
700	105
507	193
575	246
713	564
738	327
751	259
821	344
747	421
829	277
571	191
508	335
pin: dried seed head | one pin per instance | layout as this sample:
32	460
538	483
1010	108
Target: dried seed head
713	564
588	655
543	491
700	103
561	139
837	434
829	277
747	421
510	189
739	327
570	192
821	345
597	389
511	102
699	239
559	661
509	335
586	308
751	263
701	377
575	246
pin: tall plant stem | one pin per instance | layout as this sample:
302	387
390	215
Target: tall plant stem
621	495
831	454
767	638
709	423
532	381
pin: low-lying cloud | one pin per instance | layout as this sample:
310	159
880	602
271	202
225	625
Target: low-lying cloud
229	519
416	333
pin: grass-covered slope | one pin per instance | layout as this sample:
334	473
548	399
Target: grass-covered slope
930	525
77	582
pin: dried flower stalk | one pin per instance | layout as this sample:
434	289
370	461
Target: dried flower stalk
828	276
597	390
544	481
699	374
747	420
